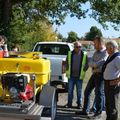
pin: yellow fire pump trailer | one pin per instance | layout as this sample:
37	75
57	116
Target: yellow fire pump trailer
25	92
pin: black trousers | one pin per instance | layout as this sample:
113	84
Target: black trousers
112	94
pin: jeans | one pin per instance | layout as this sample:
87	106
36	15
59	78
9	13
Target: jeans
96	82
94	104
71	84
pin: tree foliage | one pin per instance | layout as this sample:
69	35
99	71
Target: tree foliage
94	31
106	11
24	16
58	9
25	27
72	37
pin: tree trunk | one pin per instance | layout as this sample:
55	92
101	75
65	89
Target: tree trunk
6	10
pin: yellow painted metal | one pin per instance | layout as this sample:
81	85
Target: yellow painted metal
33	55
39	67
30	63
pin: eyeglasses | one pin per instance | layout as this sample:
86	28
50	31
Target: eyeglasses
77	46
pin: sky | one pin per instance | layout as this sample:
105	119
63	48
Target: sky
83	26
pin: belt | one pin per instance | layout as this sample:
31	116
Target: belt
97	73
113	82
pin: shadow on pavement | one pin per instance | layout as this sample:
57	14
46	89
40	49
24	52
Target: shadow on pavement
69	114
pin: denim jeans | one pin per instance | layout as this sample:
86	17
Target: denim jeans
71	84
95	82
94	104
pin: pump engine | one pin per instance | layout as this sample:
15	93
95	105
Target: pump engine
16	87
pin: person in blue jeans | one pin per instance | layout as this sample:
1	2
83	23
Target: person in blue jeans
76	65
96	81
93	108
71	84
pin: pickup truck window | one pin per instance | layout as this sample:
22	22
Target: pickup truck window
56	49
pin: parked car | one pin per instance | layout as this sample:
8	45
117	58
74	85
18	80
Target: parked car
56	52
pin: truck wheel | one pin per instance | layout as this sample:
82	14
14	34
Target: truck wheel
48	100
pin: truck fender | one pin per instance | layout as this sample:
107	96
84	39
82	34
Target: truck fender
47	96
48	100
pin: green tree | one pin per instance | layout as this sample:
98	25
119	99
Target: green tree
60	37
72	37
106	11
26	30
94	31
26	35
58	9
34	11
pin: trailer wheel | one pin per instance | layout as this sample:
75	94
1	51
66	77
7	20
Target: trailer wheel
48	100
54	109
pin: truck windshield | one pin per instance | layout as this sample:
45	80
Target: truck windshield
56	49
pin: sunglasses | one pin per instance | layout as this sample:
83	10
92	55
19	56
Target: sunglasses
77	46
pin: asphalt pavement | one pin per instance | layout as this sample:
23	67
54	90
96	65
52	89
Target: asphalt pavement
69	113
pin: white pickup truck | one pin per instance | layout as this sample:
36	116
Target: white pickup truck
56	52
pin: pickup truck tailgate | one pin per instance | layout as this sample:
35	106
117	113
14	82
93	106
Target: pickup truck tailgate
56	66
